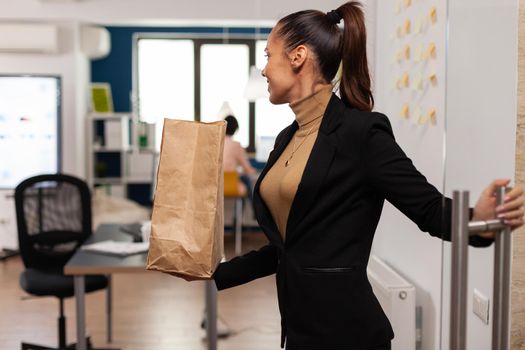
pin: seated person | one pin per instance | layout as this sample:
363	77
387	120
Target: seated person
235	157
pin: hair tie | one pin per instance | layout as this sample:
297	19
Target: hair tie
334	16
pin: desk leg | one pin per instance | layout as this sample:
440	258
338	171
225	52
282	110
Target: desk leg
211	314
238	226
109	310
80	294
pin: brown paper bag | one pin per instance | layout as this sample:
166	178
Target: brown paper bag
187	224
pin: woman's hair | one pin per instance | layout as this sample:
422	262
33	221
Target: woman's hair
333	46
231	125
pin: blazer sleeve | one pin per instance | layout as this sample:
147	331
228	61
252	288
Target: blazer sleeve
391	173
246	268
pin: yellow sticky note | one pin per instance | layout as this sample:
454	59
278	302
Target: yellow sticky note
432	115
431	51
399	32
394	84
406	26
433	78
398	7
405	111
408	3
419	26
418	54
406	51
399	56
404	81
433	14
417	115
417	83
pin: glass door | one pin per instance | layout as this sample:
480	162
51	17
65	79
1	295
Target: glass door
480	129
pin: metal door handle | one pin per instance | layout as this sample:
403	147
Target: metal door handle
461	230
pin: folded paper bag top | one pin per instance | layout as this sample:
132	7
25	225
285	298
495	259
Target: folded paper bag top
187	223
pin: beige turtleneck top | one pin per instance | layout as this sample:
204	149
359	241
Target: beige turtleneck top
279	186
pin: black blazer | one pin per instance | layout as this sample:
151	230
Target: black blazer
325	298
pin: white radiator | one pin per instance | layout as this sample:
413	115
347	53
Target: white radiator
398	300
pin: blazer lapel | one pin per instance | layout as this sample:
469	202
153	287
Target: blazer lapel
263	214
317	166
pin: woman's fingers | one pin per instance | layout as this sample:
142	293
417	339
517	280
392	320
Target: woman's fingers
512	204
491	188
515	192
511	215
515	223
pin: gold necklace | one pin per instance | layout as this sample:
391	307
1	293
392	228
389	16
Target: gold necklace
295	149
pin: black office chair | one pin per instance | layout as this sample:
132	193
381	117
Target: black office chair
53	215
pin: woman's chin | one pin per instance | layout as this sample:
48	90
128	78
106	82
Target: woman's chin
276	100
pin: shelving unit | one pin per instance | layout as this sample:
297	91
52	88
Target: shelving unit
121	155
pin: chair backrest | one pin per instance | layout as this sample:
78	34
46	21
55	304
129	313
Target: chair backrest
53	214
231	184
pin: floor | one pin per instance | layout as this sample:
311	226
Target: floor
152	311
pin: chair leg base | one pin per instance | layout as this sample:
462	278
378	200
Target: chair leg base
28	346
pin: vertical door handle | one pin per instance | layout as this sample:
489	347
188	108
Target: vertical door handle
461	230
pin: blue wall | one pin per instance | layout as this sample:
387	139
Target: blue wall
116	68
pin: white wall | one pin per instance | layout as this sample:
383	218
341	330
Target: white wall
480	103
73	67
160	11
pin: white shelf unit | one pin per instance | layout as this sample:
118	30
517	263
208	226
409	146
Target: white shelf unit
116	157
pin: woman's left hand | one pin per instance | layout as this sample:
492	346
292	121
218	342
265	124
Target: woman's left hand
511	211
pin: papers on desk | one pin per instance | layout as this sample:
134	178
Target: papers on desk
117	248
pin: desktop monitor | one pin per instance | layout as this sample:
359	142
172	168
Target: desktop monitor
30	117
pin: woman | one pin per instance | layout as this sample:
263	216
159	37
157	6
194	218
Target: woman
320	196
235	156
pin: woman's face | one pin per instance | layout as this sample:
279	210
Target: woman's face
278	70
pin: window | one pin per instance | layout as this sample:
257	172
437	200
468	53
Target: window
224	73
270	119
196	78
166	81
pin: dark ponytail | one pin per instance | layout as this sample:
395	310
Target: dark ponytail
333	46
355	80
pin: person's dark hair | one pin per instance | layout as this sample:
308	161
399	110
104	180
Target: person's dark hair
231	125
320	32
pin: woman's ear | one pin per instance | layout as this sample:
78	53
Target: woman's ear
298	56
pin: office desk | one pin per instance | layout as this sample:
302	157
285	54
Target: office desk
88	263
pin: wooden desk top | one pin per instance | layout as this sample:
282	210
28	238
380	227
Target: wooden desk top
91	263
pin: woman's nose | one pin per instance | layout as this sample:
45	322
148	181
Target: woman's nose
263	72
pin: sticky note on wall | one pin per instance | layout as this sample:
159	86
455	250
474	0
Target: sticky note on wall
433	15
399	56
433	78
417	82
405	111
418	54
418	28
406	51
431	50
399	32
417	115
432	115
406	26
404	81
398	7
